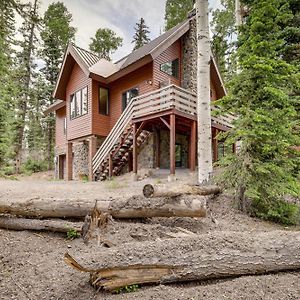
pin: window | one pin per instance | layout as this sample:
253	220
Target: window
103	101
128	95
65	126
79	103
171	67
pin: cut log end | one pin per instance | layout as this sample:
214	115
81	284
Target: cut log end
148	190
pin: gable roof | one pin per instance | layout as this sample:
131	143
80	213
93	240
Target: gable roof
87	57
155	45
106	71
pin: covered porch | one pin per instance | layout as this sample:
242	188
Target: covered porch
172	110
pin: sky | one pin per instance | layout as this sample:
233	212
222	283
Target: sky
118	15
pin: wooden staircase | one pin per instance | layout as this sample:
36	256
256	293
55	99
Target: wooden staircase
119	155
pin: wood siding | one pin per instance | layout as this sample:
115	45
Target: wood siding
101	123
60	137
139	79
82	125
173	52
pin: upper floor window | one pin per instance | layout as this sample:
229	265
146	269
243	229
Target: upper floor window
128	95
79	103
103	101
171	67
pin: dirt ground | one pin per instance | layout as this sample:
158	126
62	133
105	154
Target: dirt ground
32	266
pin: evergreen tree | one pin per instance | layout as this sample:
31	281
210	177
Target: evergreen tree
24	74
7	88
223	44
140	37
105	43
56	35
177	11
264	168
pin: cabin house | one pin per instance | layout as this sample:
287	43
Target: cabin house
139	112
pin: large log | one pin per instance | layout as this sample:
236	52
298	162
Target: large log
134	207
14	223
202	257
173	190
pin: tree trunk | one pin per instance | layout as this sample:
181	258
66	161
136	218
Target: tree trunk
208	256
134	207
14	223
163	190
203	93
22	105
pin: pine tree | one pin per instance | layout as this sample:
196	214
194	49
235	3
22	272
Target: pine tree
105	43
7	88
24	76
223	40
140	37
56	35
177	11
264	168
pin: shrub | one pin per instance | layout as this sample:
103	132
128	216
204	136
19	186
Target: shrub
276	211
35	165
72	234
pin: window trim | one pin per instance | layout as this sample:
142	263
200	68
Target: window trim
74	95
125	91
108	100
178	70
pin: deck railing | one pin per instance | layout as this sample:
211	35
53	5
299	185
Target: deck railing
169	97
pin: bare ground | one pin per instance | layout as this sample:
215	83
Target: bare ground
32	266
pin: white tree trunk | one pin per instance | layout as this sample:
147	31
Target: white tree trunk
203	93
238	16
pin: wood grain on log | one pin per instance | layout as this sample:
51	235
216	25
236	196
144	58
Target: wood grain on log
134	207
14	223
173	190
201	257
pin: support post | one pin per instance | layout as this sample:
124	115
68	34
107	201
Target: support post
69	161
92	152
193	147
172	147
134	152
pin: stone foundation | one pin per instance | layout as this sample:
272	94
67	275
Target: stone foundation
146	154
183	140
80	160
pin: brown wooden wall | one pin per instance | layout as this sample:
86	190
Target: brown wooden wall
100	123
60	137
169	54
82	125
134	79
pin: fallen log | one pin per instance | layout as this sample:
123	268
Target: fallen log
14	223
134	207
201	257
172	190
